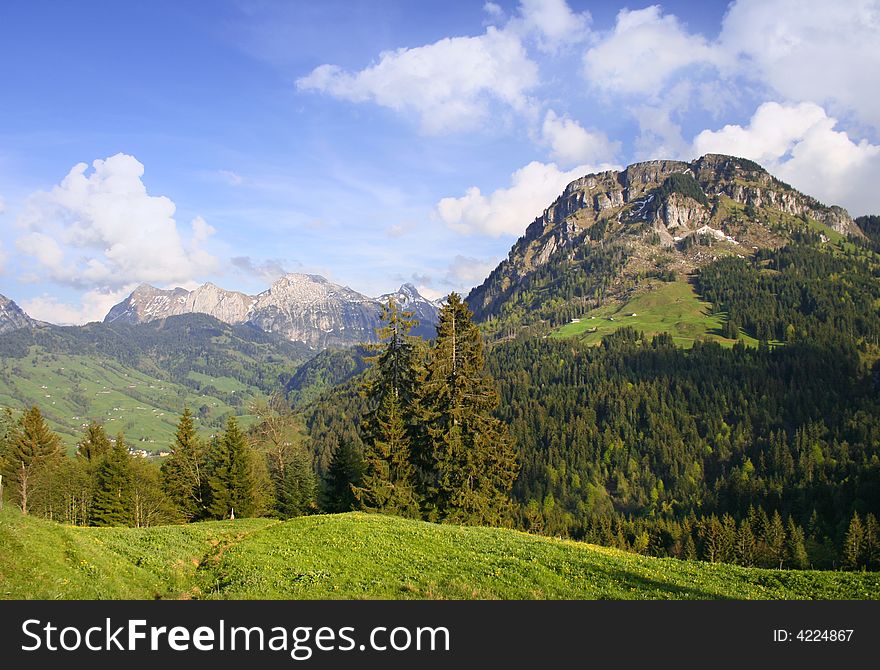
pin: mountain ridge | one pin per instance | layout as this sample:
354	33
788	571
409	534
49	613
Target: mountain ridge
607	231
301	307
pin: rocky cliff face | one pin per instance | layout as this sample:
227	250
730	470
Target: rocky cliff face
310	309
227	306
302	308
148	303
13	317
654	206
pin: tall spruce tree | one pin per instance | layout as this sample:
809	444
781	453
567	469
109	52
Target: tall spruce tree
853	544
232	484
183	474
113	502
344	474
33	449
94	444
389	481
468	456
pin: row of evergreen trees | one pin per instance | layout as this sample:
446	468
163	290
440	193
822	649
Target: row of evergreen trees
265	471
758	539
432	448
102	485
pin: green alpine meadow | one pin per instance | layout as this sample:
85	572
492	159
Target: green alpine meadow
368	556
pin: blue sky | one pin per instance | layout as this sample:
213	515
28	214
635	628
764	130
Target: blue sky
379	142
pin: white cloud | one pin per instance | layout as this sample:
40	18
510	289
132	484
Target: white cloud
201	230
93	306
493	9
102	229
3	258
553	21
430	293
814	50
799	144
571	144
660	133
643	52
468	271
267	270
450	84
2	205
508	211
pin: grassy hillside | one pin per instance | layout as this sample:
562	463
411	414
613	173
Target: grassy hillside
72	389
659	307
366	556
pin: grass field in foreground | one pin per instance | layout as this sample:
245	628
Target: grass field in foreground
366	556
661	307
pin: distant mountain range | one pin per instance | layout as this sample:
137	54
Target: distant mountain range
299	307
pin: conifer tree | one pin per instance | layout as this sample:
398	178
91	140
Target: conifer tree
113	503
774	537
468	460
183	474
746	545
344	474
852	543
232	483
389	481
94	444
32	450
796	550
871	543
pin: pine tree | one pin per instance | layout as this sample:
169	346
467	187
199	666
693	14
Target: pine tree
872	542
232	484
852	544
94	444
389	477
389	482
183	474
113	503
796	550
344	474
774	538
746	545
296	488
468	461
32	450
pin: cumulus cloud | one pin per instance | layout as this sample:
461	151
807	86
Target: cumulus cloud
507	211
810	50
267	270
93	306
449	85
468	271
643	53
101	228
3	258
571	144
553	22
799	144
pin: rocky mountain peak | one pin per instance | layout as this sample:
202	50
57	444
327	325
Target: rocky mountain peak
13	317
654	206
